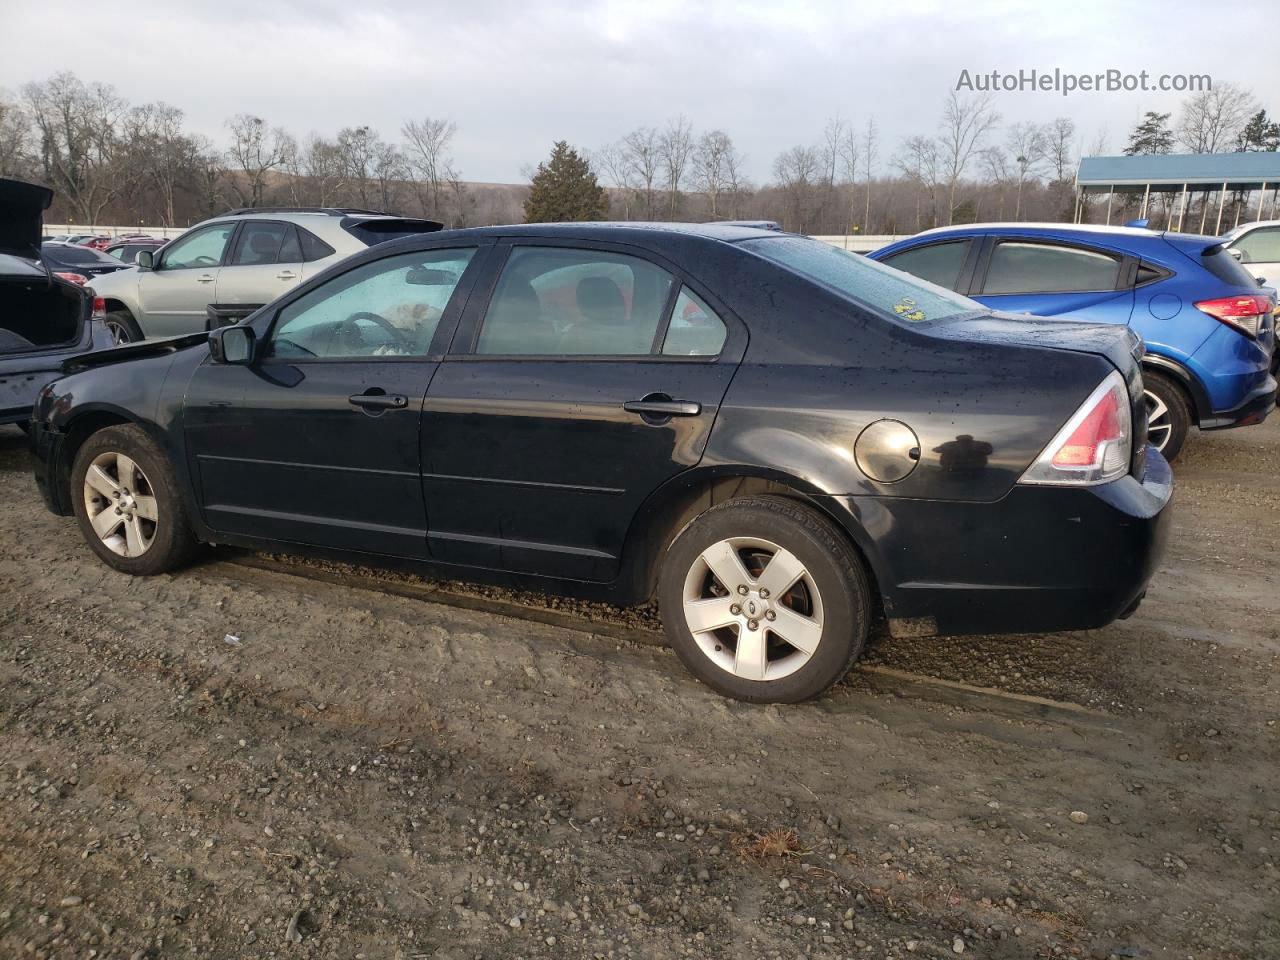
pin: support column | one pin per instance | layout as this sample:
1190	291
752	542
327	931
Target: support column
1182	209
1146	197
1110	197
1222	202
1262	196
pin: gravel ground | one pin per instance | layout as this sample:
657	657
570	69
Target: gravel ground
362	774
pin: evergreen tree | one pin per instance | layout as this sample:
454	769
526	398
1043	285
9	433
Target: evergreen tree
1261	133
564	188
1152	135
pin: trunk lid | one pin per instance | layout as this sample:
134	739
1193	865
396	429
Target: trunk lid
22	207
1119	345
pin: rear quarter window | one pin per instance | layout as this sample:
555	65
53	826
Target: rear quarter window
888	291
1225	267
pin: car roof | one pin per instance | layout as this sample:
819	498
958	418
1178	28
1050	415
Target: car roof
1082	231
645	232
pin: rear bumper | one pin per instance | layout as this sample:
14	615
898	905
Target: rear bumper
1041	559
1253	409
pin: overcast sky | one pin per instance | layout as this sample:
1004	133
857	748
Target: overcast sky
516	76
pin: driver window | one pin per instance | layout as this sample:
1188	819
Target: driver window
387	308
204	248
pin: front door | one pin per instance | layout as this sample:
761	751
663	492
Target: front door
265	263
174	295
1259	251
317	441
592	377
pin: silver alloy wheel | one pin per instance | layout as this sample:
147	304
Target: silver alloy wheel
758	626
118	332
121	504
1159	424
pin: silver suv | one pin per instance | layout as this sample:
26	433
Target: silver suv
223	269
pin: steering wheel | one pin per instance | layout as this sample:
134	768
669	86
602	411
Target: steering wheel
351	333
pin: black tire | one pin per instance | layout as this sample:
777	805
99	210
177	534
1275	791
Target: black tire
122	326
172	543
830	562
1169	433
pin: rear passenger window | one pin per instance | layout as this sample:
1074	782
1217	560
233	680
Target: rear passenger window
694	331
1046	268
554	301
938	263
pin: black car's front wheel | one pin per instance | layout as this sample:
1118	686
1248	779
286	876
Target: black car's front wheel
1168	416
127	502
764	600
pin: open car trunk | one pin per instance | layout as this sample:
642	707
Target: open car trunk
38	315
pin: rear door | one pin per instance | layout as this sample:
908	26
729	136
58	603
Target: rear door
174	295
588	377
265	262
1053	279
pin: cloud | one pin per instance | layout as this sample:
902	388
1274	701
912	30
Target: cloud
515	76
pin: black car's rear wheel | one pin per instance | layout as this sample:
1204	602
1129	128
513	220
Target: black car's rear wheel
122	327
127	502
1168	416
764	600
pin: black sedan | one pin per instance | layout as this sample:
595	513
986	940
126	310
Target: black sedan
77	264
773	436
44	320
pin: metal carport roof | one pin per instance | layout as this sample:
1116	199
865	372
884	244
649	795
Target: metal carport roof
1239	171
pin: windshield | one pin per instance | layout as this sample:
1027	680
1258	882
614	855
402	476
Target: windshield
864	281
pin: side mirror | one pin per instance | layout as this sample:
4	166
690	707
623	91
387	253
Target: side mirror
232	345
146	260
1237	253
1262	281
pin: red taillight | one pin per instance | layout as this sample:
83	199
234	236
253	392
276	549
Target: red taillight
1240	313
99	307
1101	426
79	278
1095	445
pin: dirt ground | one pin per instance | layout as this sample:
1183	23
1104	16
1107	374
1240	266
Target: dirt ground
364	774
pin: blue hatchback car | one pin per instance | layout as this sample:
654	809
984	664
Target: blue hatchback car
1208	324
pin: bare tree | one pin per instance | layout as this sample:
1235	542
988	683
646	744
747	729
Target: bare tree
256	151
15	139
642	150
78	126
998	172
796	171
673	149
920	163
715	164
428	151
1211	120
965	126
613	161
833	135
870	153
1057	148
1026	142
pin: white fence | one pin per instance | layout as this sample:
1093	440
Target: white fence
56	229
858	243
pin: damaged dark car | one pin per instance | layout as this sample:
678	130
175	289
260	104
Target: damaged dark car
44	320
778	440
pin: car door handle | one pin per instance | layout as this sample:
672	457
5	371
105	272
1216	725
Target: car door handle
286	275
379	401
207	278
663	408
